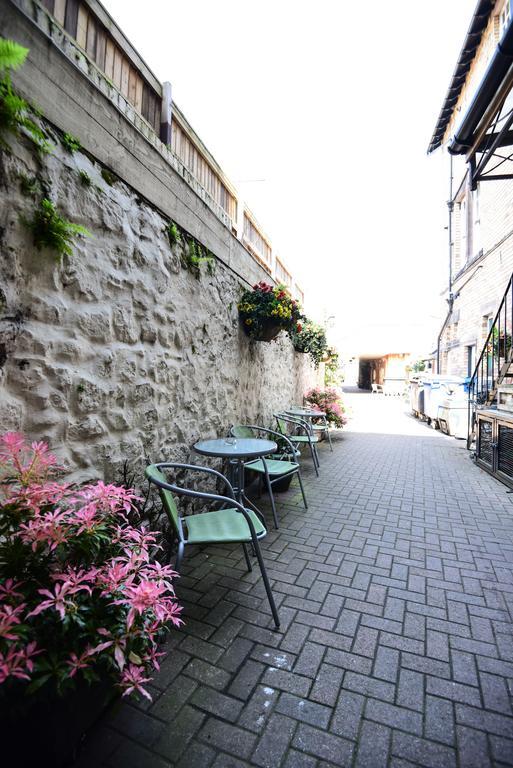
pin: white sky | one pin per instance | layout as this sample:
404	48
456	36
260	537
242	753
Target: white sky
333	104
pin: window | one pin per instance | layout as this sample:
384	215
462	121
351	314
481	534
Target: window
471	359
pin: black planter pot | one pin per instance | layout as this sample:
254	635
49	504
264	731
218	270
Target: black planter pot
268	332
47	732
280	486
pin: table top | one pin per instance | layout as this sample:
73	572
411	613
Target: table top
244	447
304	414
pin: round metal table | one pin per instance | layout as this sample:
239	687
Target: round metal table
240	449
302	413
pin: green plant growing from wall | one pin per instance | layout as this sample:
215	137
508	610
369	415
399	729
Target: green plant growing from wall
15	112
70	143
194	256
173	234
51	230
108	177
85	179
29	185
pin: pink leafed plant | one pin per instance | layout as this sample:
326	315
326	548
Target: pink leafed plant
81	596
329	401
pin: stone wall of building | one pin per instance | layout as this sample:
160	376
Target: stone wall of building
117	351
480	285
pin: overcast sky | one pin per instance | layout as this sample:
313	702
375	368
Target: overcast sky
331	103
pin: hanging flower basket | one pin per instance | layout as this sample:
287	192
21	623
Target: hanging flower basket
266	310
266	331
309	337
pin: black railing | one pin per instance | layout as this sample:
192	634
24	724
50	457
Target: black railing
494	362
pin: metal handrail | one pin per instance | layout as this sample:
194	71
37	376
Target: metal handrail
482	388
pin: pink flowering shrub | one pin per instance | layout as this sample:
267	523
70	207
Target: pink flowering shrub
79	594
328	401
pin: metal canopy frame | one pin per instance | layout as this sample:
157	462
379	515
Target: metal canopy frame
491	157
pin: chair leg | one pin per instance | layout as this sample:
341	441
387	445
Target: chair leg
316	455
314	458
246	556
271	497
179	556
302	489
267	585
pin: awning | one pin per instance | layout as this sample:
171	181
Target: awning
475	31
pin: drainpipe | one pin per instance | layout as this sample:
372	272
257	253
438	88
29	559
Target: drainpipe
450	300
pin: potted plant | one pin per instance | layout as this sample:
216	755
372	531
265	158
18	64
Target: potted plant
328	401
81	603
266	310
309	337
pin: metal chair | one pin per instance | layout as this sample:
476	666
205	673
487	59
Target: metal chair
233	523
304	434
272	470
323	426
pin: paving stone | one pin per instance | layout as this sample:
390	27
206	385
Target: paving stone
178	733
386	664
410	692
229	738
235	655
208	674
484	721
422	752
287	681
327	684
309	660
395	717
373	746
274	742
472	748
455	691
495	693
304	710
323	745
348	714
502	749
246	679
216	703
132	755
197	755
439	720
299	760
259	708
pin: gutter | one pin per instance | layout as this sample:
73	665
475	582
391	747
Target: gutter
497	70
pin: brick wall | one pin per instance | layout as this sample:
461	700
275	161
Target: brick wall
480	284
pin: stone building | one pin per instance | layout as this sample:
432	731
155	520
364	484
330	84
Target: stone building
474	128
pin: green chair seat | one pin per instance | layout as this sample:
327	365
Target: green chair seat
274	466
303	438
224	525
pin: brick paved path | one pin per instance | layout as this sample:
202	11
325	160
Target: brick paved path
395	592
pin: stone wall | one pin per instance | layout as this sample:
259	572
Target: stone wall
116	351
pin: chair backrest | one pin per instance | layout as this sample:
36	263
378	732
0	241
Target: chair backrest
239	430
282	424
154	475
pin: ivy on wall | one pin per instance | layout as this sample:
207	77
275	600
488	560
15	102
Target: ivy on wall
193	255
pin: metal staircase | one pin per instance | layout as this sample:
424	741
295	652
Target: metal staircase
495	364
